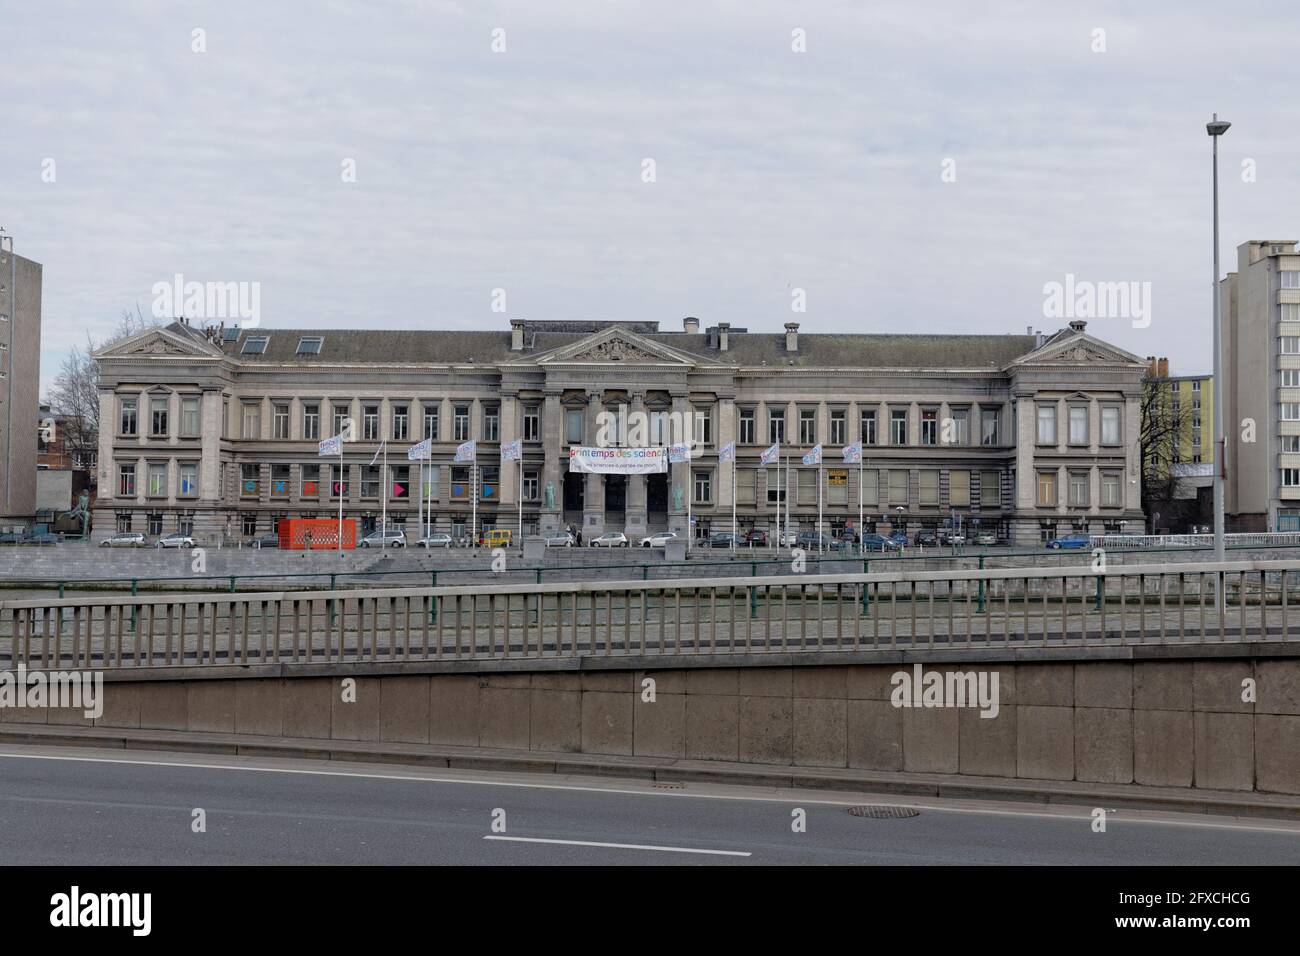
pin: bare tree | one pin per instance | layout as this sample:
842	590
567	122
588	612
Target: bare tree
74	396
1165	425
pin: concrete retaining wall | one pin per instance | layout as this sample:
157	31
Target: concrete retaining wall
1179	723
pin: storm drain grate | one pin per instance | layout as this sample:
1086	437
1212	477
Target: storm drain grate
668	786
884	813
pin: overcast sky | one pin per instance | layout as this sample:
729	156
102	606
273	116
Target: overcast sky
522	170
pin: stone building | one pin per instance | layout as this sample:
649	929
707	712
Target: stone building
216	430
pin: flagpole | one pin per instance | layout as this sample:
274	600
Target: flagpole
733	497
383	502
519	490
861	530
340	496
473	521
821	544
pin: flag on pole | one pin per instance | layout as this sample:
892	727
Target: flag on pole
728	453
679	453
383	446
814	457
330	446
853	453
465	452
512	450
421	452
771	455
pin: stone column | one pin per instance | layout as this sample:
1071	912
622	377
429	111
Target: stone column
679	475
508	426
593	502
552	475
636	484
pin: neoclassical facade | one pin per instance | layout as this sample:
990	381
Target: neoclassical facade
215	431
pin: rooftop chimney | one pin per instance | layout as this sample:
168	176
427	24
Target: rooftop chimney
723	329
792	336
690	325
1078	325
516	335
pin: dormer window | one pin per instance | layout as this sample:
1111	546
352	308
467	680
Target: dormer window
255	345
310	345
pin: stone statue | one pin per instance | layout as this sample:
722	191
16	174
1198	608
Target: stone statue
550	494
677	497
82	512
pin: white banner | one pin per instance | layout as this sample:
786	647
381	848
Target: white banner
465	452
330	446
421	452
618	461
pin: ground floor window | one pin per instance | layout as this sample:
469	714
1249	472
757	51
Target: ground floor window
248	523
185	522
155	522
124	520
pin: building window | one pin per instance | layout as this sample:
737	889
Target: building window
429	486
280	421
959	489
1291	443
310	481
745	432
1291	412
185	522
990	489
338	481
807	426
1290	477
124	520
1046	489
898	427
189	479
929	426
401	422
1110	426
1291	377
806	487
839	431
129	416
989	426
249	485
309	345
532	423
1290	279
157	480
370	423
460	484
775	486
311	421
775	426
870	486
929	487
704	426
431	421
126	481
281	481
1110	490
1290	344
1078	424
1047	424
189	417
745	486
1290	312
960	434
155	522
530	486
489	485
491	423
158	417
703	488
1078	490
370	481
250	420
340	420
573	426
867	423
460	423
897	487
248	523
255	345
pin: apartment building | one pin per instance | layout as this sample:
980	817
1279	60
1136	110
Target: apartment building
20	374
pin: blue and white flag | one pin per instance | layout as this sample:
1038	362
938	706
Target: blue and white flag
771	455
465	452
421	452
512	450
814	457
853	453
728	453
330	446
679	453
383	446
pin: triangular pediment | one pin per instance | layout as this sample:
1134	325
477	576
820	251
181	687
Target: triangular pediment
1075	350
617	346
158	341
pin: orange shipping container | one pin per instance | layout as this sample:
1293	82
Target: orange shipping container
317	534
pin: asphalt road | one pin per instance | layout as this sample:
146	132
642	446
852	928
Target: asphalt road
84	807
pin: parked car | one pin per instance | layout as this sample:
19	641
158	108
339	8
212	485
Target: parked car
124	539
986	538
957	537
438	539
1070	541
927	538
392	538
11	537
610	539
659	540
559	539
847	536
498	538
174	540
757	538
812	541
878	542
265	541
788	539
724	539
899	538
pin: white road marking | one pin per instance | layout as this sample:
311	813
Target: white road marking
619	846
1067	812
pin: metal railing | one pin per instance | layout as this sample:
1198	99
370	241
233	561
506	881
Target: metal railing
1022	607
1260	539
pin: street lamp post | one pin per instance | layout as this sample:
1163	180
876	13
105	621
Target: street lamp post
1216	128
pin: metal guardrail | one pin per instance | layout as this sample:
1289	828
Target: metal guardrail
1022	607
1262	539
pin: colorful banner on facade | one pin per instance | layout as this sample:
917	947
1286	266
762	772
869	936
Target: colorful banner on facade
771	455
465	452
512	450
421	452
330	446
618	461
853	453
679	453
814	457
